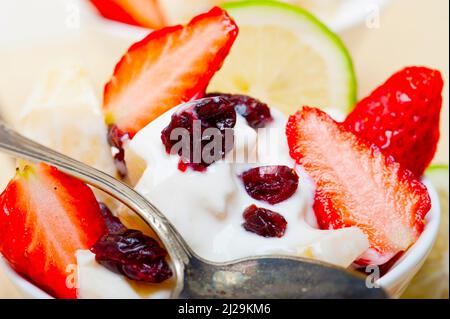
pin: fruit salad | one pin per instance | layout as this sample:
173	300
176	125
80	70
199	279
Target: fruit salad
236	176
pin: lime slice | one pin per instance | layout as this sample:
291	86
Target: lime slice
432	279
286	58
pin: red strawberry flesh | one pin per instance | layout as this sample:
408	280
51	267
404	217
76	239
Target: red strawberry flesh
144	13
170	66
402	117
45	217
357	185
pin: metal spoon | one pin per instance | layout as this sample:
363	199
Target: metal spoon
255	277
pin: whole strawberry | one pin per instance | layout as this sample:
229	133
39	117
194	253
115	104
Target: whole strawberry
402	117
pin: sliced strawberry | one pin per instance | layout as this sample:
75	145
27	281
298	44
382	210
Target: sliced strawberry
170	66
144	13
402	117
45	217
357	185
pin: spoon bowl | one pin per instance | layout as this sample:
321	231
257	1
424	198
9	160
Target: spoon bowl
274	277
256	277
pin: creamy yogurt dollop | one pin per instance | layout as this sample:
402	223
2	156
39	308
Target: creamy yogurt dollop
207	207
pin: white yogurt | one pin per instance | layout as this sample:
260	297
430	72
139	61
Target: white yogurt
207	207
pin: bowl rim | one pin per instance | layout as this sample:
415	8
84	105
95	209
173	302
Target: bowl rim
404	267
355	13
422	246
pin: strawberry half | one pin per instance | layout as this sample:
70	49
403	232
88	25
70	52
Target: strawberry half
170	66
402	117
144	13
357	185
45	217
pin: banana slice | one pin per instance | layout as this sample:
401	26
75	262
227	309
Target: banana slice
64	114
341	247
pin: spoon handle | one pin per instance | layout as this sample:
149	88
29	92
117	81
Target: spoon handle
19	146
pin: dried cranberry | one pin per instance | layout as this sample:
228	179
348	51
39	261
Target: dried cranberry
264	222
113	224
116	139
155	272
272	184
254	111
134	255
216	112
208	132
